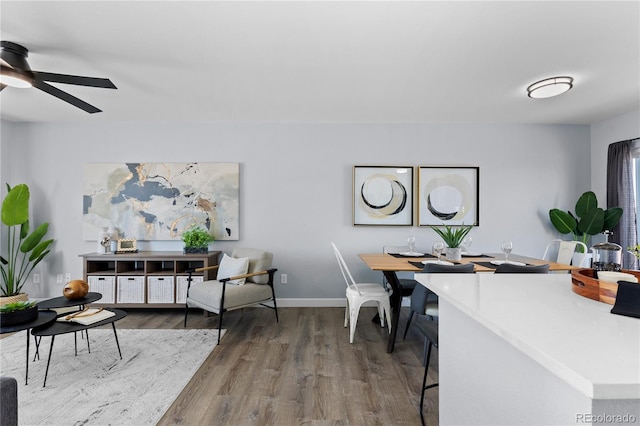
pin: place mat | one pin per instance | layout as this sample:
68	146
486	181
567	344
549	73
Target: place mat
400	256
421	265
477	256
491	265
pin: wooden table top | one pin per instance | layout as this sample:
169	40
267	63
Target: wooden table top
387	262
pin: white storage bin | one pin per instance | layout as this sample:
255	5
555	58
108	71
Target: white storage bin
130	289
160	289
181	287
105	285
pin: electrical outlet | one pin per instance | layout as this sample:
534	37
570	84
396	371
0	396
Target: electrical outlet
59	279
283	278
67	277
36	278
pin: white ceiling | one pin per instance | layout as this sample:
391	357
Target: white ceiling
321	61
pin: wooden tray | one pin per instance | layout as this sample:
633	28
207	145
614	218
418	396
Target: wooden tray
585	283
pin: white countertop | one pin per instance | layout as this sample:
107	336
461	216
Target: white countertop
575	338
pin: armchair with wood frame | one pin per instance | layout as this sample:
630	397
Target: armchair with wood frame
249	281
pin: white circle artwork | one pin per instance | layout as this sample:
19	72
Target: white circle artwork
448	197
382	195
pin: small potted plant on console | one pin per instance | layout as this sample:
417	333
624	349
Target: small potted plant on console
196	240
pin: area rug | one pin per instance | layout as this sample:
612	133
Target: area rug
99	388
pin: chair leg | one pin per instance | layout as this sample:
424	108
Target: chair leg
220	325
186	312
346	314
276	309
426	369
381	314
408	324
354	311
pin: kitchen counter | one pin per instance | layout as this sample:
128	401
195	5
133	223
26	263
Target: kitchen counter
527	339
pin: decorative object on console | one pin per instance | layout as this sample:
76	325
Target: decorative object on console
448	194
75	289
159	201
589	219
383	195
196	240
127	245
104	244
25	249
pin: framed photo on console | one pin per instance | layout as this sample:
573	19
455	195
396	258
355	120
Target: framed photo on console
383	195
448	195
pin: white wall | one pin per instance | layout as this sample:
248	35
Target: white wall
296	184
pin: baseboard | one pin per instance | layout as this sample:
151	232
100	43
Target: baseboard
321	303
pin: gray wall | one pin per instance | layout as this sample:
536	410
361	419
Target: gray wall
296	187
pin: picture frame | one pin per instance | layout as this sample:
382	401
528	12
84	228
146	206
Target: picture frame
448	195
383	195
127	245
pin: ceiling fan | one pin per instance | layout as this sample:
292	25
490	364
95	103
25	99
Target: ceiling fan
16	72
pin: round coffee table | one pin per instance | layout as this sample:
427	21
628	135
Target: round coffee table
57	328
44	318
63	302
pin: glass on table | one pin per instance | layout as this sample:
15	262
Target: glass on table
437	249
506	247
412	244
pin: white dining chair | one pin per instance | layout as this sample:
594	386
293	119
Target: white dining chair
360	293
562	251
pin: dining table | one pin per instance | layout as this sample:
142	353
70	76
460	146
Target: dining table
392	263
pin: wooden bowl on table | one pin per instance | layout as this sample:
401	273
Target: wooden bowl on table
586	283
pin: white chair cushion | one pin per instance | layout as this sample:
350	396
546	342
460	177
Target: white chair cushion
231	267
207	295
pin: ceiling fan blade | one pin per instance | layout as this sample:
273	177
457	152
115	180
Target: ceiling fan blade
104	83
65	96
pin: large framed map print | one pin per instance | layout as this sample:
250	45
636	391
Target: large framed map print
159	201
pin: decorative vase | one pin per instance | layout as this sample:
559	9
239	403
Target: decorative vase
18	317
582	260
453	253
20	297
75	289
195	250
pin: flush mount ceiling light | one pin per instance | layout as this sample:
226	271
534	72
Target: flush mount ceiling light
550	87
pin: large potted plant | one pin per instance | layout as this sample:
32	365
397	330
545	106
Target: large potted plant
24	249
453	237
196	240
588	220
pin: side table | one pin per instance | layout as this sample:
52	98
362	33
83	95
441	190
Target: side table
44	318
63	302
57	328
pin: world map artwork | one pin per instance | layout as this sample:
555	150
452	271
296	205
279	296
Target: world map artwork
159	201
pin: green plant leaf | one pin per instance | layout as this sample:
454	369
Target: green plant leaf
612	217
40	248
15	206
592	222
563	221
453	237
586	203
33	240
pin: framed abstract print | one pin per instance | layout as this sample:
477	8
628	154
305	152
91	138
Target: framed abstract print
448	195
383	195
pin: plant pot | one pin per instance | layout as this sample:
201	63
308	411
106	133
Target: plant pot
20	297
195	250
18	317
453	253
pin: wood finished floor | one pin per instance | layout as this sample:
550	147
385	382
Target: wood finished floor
300	371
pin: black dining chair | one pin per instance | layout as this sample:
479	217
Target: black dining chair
429	329
424	301
510	268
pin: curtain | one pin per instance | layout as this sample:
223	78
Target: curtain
620	192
